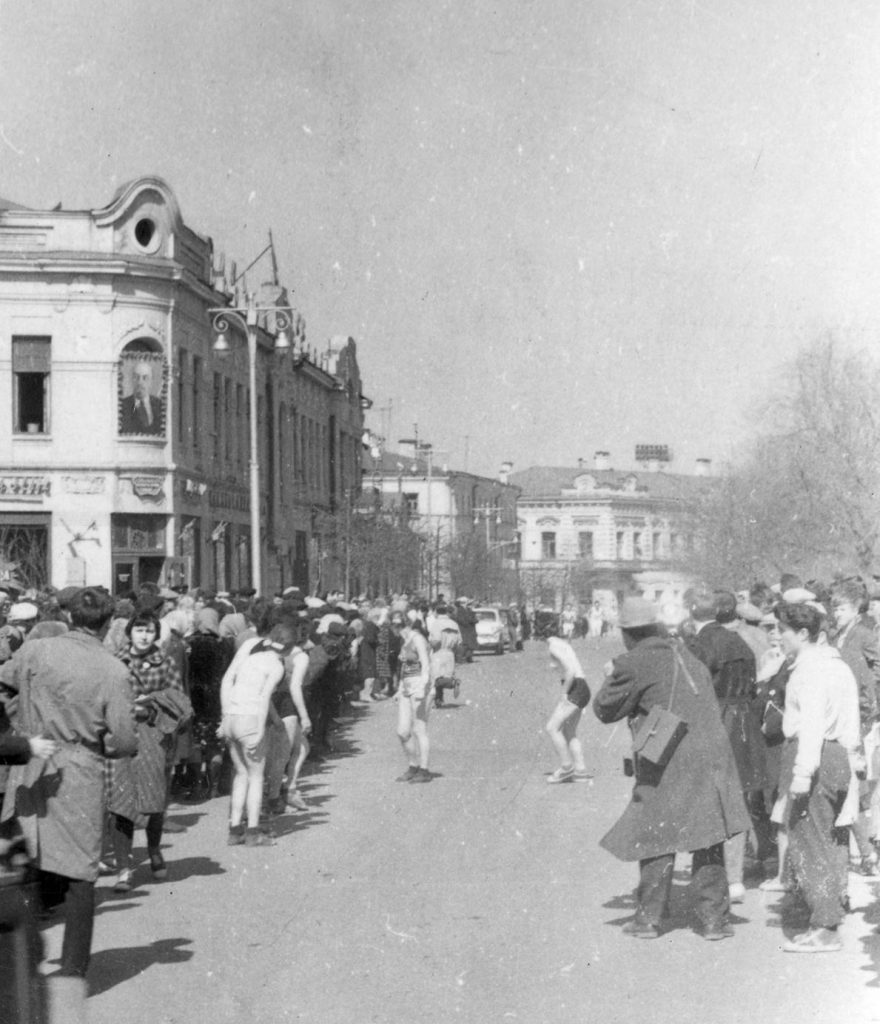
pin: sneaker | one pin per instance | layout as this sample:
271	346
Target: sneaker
641	929
561	775
421	775
296	801
409	774
256	837
869	867
774	885
158	865
236	835
816	940
582	775
716	932
736	892
123	881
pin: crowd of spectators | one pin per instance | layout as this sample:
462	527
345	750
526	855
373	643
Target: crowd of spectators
207	695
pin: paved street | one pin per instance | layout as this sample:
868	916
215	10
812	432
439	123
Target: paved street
480	897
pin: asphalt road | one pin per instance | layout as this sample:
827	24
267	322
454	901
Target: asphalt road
480	897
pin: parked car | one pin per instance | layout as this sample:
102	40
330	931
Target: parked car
493	630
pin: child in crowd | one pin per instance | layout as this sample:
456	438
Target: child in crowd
563	723
245	694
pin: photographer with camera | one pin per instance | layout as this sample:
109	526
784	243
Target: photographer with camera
687	796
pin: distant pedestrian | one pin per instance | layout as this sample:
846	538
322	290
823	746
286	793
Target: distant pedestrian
414	699
563	723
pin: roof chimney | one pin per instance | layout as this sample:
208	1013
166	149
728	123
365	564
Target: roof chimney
703	467
504	472
602	460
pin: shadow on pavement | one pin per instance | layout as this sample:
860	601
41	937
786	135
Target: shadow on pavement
871	944
287	824
680	914
111	967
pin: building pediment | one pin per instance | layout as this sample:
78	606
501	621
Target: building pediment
547	521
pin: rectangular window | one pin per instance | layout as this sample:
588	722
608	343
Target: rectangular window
412	504
228	420
638	545
548	545
218	415
585	544
31	363
181	391
239	427
656	545
620	542
196	401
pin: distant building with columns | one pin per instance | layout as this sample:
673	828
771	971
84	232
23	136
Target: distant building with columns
591	532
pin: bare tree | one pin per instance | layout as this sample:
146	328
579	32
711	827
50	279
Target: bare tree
807	496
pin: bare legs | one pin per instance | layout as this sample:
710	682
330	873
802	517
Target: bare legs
247	786
412	729
562	730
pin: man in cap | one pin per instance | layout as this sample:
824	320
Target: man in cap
693	802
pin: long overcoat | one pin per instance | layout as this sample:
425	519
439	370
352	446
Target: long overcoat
138	785
695	801
73	690
731	665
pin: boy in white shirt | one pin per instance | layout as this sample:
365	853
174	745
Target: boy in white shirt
821	726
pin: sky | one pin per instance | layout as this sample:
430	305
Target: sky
552	227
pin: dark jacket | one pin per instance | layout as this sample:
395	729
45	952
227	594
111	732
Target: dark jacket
695	801
858	648
731	664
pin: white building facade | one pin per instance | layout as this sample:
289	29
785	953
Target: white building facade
124	440
596	534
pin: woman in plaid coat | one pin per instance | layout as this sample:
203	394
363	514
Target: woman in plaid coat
139	785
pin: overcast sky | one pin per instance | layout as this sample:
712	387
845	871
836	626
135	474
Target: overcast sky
552	227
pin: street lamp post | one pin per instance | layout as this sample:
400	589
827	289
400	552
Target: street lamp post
247	317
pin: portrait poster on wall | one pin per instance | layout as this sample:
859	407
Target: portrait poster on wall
142	387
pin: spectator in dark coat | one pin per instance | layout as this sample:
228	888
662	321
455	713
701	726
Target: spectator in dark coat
857	643
732	666
694	803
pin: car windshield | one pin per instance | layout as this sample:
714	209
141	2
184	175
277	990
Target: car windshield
487	615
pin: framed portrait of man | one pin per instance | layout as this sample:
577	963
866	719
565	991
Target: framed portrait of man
142	384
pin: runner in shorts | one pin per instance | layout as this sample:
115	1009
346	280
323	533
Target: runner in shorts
563	723
245	693
414	699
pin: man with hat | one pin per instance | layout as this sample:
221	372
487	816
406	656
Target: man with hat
692	802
